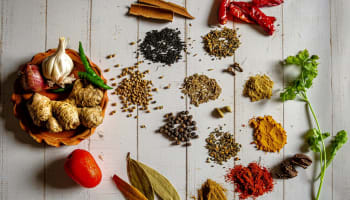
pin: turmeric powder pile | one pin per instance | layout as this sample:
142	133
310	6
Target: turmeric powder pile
211	190
269	135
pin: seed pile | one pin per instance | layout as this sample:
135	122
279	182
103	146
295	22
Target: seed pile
163	46
134	90
221	146
201	89
179	128
221	43
258	87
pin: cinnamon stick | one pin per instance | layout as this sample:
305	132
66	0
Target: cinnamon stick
169	6
150	11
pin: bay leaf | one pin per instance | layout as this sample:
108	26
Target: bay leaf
139	179
161	185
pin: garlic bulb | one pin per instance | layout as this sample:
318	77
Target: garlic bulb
58	66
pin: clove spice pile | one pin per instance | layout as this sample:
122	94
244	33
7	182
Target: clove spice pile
179	128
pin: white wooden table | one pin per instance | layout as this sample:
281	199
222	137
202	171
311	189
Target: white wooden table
35	171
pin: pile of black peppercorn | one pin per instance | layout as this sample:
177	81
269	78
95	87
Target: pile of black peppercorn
179	128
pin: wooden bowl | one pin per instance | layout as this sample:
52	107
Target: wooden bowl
19	99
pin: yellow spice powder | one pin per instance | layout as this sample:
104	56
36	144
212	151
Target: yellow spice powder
258	87
269	135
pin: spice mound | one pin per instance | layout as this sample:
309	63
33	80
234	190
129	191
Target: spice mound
268	134
201	89
252	181
179	128
163	46
211	190
221	43
258	87
221	146
134	89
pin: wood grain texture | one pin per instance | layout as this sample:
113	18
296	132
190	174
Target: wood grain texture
340	45
70	19
19	152
33	171
306	26
154	149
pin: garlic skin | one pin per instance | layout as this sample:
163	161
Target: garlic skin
58	66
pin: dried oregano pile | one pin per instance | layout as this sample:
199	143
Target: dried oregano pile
162	46
134	90
201	89
179	128
221	43
221	146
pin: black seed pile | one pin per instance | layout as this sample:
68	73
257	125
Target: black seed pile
163	46
179	128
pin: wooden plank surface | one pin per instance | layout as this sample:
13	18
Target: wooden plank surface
35	171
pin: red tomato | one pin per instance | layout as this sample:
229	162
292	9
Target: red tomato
83	169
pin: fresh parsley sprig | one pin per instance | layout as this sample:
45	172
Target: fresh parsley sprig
298	88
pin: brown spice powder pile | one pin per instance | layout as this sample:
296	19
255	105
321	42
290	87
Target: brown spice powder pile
134	89
258	87
201	89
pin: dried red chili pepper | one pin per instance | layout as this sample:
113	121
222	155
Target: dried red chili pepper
264	21
238	13
223	11
267	3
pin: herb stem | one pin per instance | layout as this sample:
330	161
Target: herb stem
323	157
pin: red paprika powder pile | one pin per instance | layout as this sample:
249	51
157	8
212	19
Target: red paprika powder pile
251	181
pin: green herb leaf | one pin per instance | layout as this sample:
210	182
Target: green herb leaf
338	141
308	71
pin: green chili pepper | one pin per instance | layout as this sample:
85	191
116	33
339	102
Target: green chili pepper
65	89
90	74
93	80
86	64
